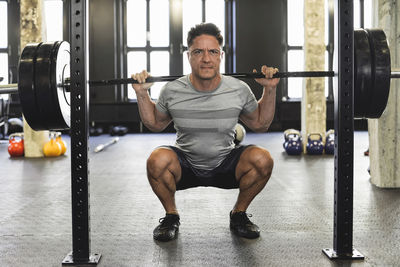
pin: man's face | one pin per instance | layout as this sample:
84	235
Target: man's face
205	57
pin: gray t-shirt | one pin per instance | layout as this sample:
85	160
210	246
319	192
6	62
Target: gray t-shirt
205	121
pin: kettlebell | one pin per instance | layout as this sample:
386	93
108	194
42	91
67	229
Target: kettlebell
52	148
315	146
240	133
61	142
330	142
16	145
293	143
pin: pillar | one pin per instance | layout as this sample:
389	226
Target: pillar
313	103
32	31
384	148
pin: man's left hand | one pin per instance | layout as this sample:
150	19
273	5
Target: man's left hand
268	82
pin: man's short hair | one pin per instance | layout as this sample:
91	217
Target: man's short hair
204	28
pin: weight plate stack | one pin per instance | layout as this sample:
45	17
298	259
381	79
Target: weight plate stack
362	73
61	59
43	84
381	71
26	86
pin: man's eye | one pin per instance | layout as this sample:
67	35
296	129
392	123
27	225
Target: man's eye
214	52
197	52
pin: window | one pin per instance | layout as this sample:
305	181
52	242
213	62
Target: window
3	44
53	10
295	39
295	9
194	13
149	41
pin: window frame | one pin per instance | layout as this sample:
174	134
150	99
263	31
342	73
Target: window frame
177	47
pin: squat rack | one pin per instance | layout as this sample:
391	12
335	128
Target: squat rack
344	136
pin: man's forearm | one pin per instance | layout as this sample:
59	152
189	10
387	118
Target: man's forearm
266	107
147	111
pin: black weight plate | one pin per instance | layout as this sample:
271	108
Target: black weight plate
43	84
26	86
46	87
60	59
362	73
381	71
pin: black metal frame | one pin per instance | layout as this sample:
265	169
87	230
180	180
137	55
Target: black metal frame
344	135
79	137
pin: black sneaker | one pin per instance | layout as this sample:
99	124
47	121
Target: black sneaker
241	225
168	228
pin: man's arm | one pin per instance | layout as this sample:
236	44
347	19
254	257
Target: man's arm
260	119
153	119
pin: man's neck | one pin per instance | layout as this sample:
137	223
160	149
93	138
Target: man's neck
205	85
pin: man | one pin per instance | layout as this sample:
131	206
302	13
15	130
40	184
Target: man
205	107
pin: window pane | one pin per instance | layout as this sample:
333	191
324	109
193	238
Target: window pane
295	22
4	68
356	13
192	13
54	20
214	10
186	66
368	13
136	22
159	22
159	66
136	63
4	71
295	63
3	24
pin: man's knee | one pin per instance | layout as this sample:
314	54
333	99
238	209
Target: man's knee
162	160
261	161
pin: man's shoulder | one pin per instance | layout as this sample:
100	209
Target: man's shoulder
233	82
178	83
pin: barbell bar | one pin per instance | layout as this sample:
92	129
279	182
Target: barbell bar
44	84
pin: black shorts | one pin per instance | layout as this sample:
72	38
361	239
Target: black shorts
222	176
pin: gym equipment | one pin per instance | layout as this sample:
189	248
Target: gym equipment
118	130
44	84
52	148
16	145
240	133
330	142
103	146
95	131
315	145
61	142
293	143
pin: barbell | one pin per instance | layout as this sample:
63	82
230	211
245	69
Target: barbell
44	84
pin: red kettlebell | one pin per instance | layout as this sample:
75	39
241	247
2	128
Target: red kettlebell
16	145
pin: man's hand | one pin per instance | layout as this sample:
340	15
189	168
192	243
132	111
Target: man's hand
268	82
141	78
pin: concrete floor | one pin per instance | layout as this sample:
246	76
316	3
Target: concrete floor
294	212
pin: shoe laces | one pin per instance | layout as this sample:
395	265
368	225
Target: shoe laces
243	217
169	220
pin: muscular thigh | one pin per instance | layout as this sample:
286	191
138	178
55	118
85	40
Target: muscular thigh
254	158
164	159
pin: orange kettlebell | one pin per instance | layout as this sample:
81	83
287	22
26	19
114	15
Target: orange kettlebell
52	148
61	142
16	145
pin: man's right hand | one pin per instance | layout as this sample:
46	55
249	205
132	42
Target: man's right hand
141	78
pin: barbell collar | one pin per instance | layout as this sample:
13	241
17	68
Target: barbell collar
9	88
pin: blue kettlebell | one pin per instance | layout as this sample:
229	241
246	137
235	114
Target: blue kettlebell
315	146
293	144
330	142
